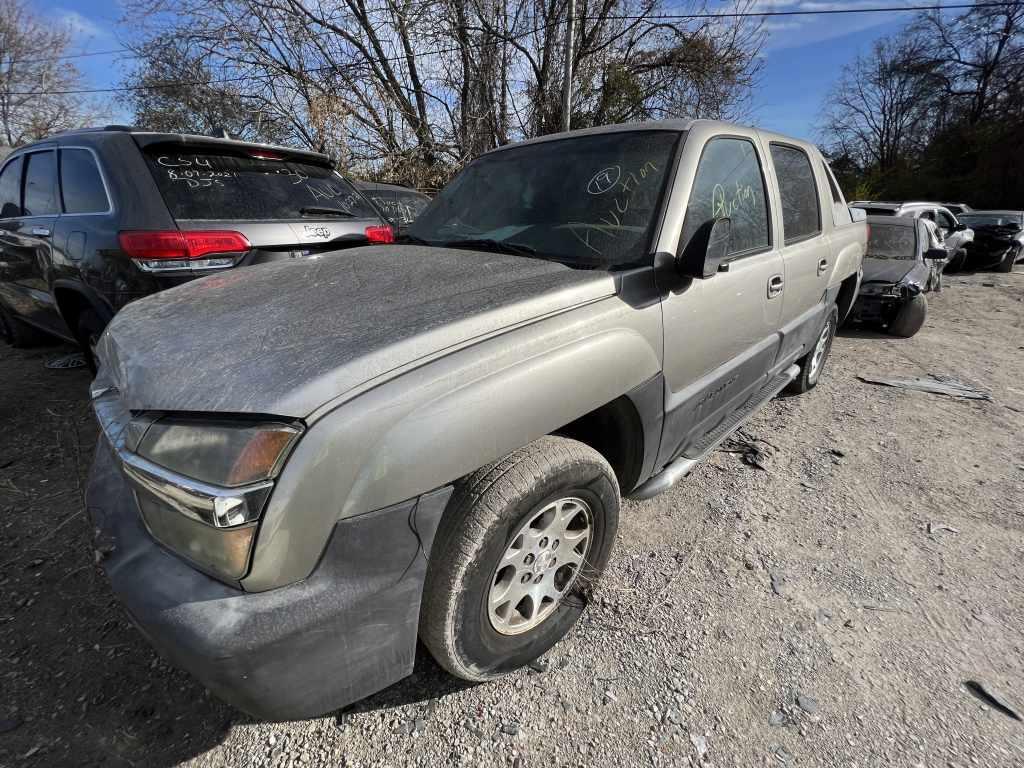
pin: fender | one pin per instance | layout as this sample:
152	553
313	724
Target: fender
430	426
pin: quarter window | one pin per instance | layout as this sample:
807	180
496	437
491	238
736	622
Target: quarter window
840	211
729	184
801	214
40	184
81	185
10	189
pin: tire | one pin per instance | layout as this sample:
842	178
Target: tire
481	525
18	334
813	363
957	262
88	331
1009	259
911	317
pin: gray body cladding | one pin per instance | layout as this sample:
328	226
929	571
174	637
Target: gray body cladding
285	338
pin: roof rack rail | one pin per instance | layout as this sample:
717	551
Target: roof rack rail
118	128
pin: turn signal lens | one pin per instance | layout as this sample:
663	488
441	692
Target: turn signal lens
223	453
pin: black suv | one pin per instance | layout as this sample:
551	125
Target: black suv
93	219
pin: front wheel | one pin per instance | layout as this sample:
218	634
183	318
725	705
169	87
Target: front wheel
521	542
1009	259
910	318
813	363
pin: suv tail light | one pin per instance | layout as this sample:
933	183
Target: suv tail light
380	235
158	250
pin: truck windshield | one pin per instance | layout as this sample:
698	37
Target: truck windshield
218	185
891	242
590	201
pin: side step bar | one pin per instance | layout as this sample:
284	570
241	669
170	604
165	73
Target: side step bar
682	466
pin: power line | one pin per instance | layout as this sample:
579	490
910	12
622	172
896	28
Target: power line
647	18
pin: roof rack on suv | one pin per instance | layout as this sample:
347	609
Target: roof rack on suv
118	127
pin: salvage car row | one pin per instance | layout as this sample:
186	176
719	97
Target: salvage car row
311	464
912	244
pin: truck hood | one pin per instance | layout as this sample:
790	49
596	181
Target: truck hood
286	337
887	270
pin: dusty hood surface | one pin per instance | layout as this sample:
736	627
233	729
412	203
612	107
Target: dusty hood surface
286	337
887	270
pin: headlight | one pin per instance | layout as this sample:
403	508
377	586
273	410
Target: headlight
893	290
224	453
202	484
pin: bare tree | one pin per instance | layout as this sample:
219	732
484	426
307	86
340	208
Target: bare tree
882	106
410	89
979	56
32	77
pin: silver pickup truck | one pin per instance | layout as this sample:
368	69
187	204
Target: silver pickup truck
430	440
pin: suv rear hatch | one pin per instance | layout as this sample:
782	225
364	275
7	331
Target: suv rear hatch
285	203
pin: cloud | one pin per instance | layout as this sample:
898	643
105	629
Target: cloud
796	31
82	28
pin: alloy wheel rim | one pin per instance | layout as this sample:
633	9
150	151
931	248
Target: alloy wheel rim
540	565
819	351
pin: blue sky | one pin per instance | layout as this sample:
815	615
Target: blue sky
801	59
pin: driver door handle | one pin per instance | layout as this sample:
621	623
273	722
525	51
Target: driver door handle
40	231
822	266
775	283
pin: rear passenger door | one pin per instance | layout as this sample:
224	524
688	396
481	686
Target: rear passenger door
27	241
805	250
721	333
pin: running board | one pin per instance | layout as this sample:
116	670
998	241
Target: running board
682	466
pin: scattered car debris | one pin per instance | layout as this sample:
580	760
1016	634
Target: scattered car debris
66	362
980	692
753	451
939	385
936	527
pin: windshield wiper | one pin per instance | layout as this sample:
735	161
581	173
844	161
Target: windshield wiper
489	244
314	210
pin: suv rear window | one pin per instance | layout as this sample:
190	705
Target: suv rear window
208	185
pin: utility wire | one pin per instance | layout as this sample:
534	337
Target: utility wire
650	18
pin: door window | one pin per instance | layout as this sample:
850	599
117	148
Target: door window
81	185
40	184
801	212
10	189
729	184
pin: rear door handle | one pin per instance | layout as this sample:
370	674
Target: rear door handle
775	283
40	231
822	266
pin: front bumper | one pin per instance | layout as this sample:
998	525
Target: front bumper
346	631
875	309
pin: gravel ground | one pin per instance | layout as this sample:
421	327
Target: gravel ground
823	591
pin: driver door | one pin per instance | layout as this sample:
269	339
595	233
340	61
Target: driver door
721	333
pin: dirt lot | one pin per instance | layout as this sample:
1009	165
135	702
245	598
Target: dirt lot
796	613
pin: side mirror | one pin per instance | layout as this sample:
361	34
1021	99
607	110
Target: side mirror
706	251
958	227
934	254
